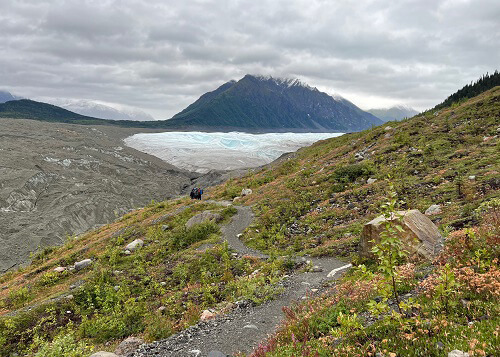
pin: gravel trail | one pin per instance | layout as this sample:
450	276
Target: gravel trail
246	326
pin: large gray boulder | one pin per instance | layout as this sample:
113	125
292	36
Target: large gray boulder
128	346
420	236
203	217
82	264
134	245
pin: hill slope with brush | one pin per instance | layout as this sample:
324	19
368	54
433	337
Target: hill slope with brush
312	202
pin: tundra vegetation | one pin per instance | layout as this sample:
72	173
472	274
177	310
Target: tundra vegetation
314	202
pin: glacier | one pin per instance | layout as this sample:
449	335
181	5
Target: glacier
202	152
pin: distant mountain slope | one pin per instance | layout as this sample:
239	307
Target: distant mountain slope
257	102
397	112
6	96
101	111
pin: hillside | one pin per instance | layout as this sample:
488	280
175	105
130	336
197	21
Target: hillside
267	103
314	202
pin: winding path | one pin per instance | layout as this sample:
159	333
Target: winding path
243	328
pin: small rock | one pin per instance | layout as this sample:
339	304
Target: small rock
82	264
387	135
472	177
69	297
128	346
236	198
165	227
116	287
163	283
127	252
134	245
305	283
316	269
117	272
457	353
388	128
371	180
251	326
59	269
439	345
207	315
103	354
246	192
351	206
239	235
196	353
314	290
432	210
162	308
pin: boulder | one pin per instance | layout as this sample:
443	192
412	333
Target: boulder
82	264
388	128
432	210
203	217
134	245
207	315
246	192
59	269
457	353
128	346
103	354
420	236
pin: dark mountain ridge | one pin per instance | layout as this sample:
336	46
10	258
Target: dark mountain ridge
272	103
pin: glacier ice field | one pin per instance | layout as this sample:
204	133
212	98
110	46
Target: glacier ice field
202	152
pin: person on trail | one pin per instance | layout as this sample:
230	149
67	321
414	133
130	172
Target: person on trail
193	193
200	192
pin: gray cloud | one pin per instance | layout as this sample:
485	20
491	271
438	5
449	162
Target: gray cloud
160	56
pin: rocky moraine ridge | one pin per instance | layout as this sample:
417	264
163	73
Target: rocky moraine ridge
58	180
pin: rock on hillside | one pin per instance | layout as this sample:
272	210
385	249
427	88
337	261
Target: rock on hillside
60	179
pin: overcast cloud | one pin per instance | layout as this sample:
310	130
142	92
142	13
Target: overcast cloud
160	56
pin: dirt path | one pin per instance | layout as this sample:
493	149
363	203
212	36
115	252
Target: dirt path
242	329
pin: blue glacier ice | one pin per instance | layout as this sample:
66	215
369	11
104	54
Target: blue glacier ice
202	152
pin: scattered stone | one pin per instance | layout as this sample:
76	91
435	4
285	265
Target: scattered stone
69	297
246	192
134	245
388	128
336	270
161	309
457	353
359	156
316	269
432	210
116	287
196	353
371	180
251	327
387	135
127	252
165	227
216	354
203	217
350	205
472	177
128	346
82	264
420	236
59	269
207	315
236	198
314	290
117	272
439	345
104	354
163	283
305	283
239	235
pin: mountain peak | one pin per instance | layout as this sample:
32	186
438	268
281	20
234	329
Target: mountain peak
267	103
7	96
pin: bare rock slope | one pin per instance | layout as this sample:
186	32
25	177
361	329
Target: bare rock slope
59	179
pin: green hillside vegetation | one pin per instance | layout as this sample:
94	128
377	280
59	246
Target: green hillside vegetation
313	202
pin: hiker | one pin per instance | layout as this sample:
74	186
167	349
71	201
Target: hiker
200	192
193	193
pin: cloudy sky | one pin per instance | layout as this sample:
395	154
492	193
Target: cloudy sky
160	56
